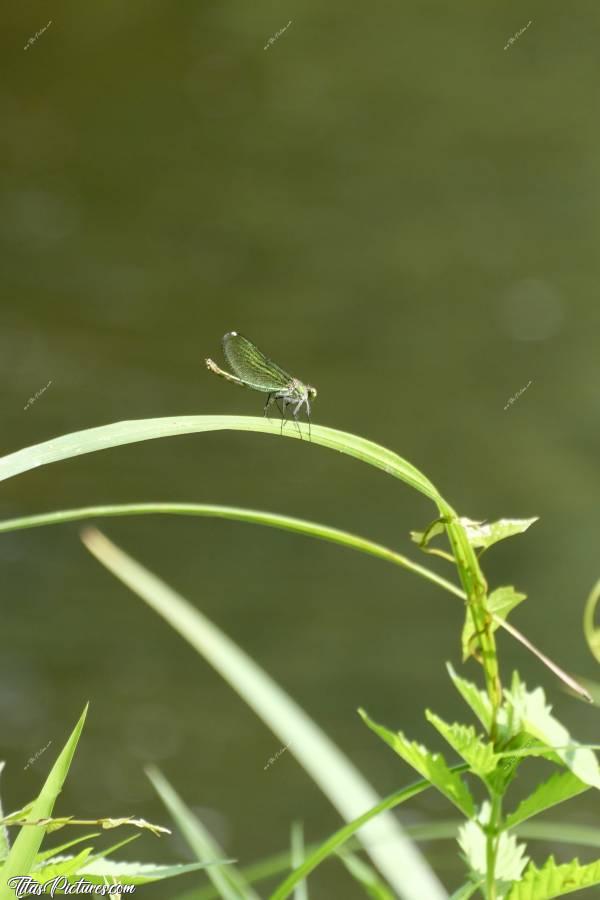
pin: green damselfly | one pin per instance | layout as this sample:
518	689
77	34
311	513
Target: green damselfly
255	370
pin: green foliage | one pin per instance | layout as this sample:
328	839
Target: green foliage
515	725
510	855
501	602
481	535
525	729
554	880
431	766
479	754
53	866
559	787
477	699
529	712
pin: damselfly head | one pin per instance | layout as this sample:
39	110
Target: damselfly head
312	391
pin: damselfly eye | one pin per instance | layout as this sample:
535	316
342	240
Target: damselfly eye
312	391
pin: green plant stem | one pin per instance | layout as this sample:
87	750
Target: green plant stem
475	587
492	839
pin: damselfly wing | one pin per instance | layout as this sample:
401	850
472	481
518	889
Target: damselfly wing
255	370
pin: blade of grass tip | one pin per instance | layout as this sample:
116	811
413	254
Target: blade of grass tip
22	855
397	858
119	433
297	854
226	878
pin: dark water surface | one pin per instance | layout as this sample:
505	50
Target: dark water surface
399	210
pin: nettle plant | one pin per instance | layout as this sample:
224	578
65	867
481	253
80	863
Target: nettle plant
513	723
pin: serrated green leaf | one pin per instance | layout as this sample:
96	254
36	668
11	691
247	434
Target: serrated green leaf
475	698
559	787
501	602
68	865
477	753
554	880
510	855
479	534
484	534
431	766
508	765
135	872
529	708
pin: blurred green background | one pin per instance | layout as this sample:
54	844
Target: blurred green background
400	211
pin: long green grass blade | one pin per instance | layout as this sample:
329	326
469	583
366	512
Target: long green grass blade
397	859
228	880
286	523
130	432
23	852
257	517
555	832
339	838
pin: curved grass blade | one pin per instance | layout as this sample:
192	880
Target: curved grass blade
397	859
258	517
286	523
119	433
130	432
